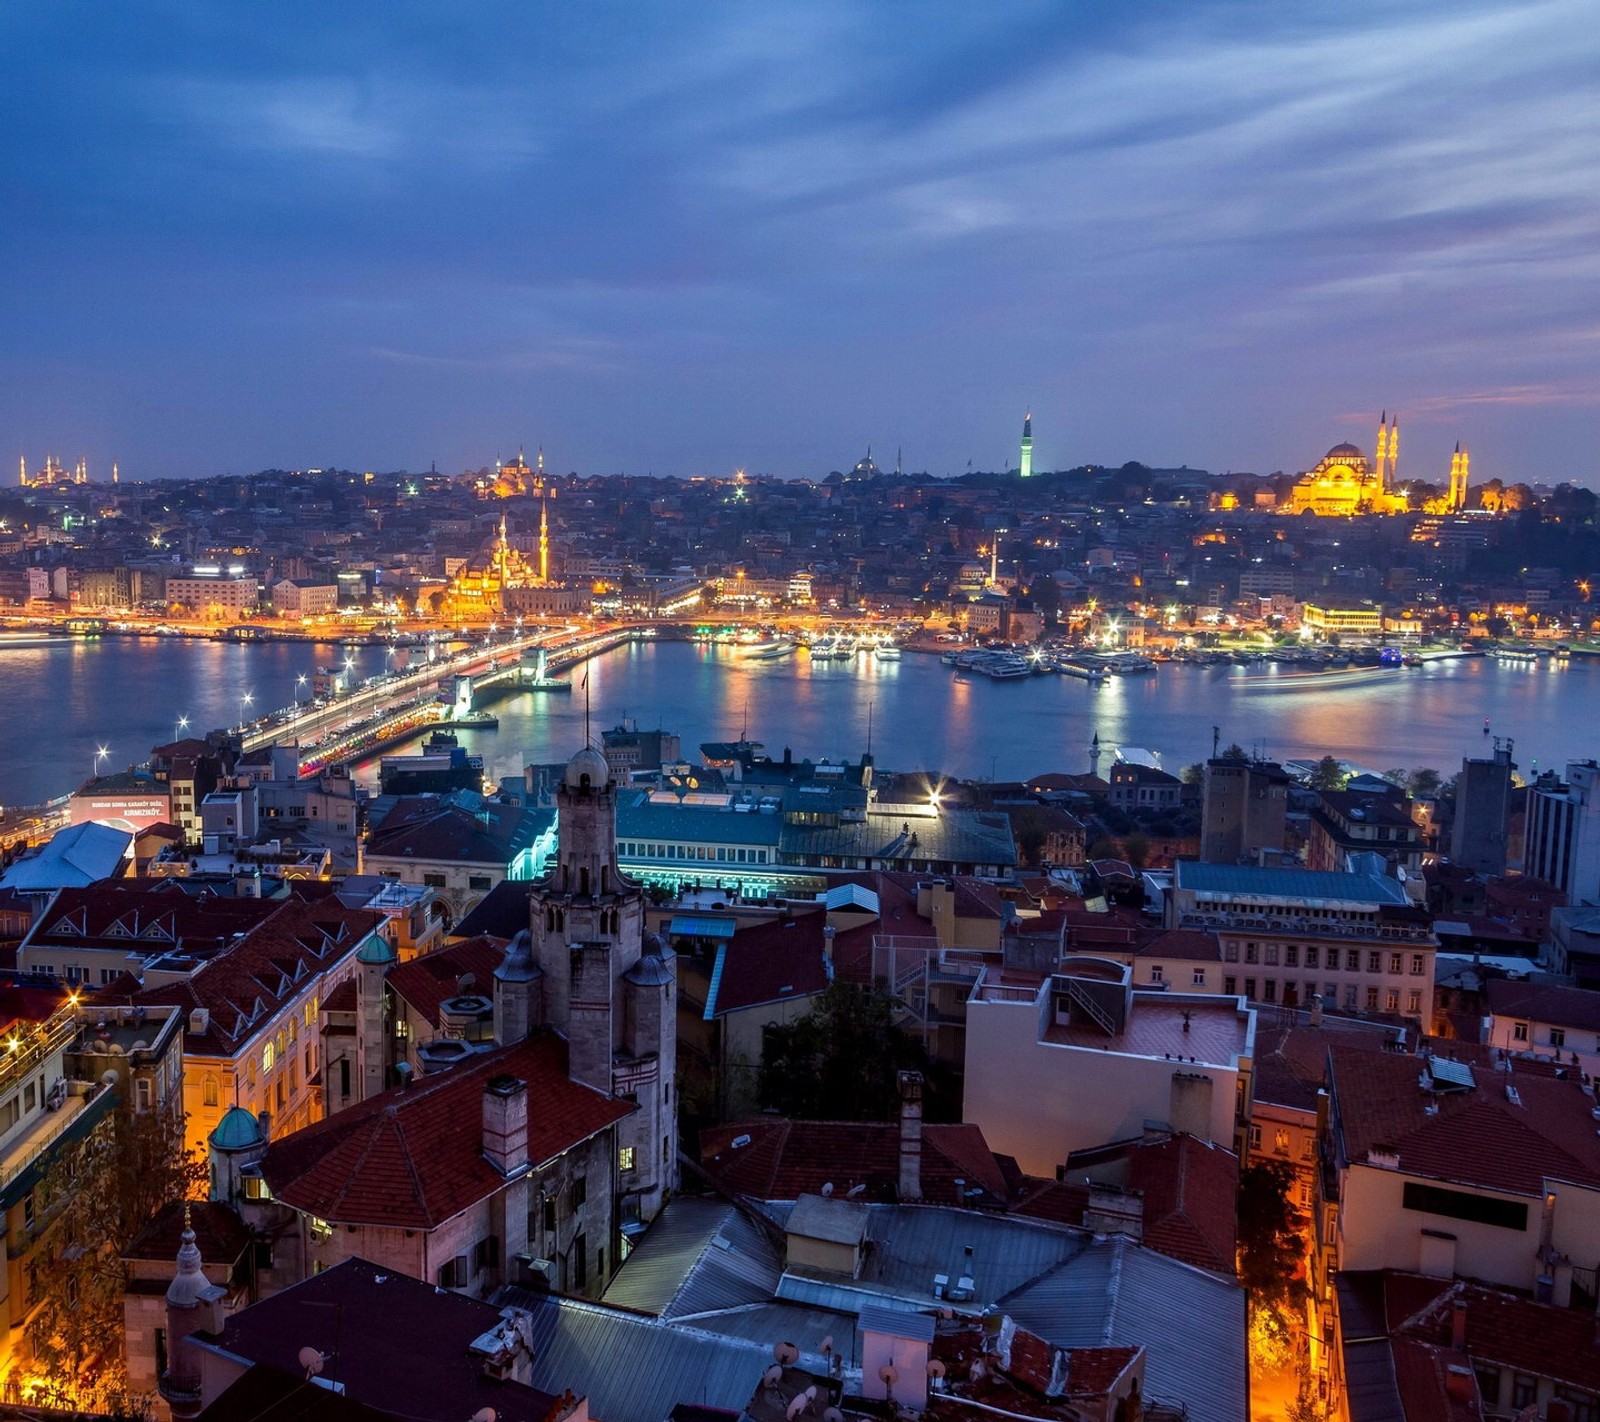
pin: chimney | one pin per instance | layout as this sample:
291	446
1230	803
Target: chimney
1460	1383
911	1135
505	1123
1458	1325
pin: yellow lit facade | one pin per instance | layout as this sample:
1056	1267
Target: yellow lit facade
1346	482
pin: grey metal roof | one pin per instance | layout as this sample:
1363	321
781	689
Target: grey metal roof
72	857
956	836
1191	1322
1248	881
807	1328
897	1323
697	1255
695	824
634	1369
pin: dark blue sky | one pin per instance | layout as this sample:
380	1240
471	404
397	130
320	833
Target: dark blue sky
682	238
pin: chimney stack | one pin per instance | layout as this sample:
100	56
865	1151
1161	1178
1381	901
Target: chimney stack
911	1135
1458	1325
505	1123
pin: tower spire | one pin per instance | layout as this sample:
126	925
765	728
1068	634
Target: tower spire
1025	459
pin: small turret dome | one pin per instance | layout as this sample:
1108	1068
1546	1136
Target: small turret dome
377	949
587	770
237	1130
189	1285
518	965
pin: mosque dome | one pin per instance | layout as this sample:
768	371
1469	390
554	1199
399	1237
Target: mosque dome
1345	451
587	770
237	1130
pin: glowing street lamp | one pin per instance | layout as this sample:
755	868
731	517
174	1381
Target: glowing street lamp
183	725
244	705
99	755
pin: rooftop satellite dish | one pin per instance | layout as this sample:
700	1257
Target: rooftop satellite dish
888	1375
935	1368
796	1406
485	1414
827	1189
832	1414
786	1354
311	1360
827	1345
772	1377
855	1190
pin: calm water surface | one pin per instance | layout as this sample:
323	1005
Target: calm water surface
59	703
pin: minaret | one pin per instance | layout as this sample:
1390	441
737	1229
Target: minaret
1394	452
373	960
994	558
1026	466
544	527
22	467
1380	459
1094	755
1458	478
115	475
194	1305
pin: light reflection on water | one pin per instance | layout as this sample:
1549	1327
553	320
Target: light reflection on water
58	703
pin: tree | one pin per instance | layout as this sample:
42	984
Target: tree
1136	850
1423	782
1328	775
1270	1254
1103	848
95	1196
842	1060
1028	826
1194	774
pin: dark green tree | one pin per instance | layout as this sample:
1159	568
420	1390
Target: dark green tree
1425	781
842	1060
1329	774
1271	1244
1136	849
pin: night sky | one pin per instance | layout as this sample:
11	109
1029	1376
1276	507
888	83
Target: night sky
683	238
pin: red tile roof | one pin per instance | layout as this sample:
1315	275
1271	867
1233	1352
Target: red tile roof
1190	1190
146	918
413	1157
219	1233
1190	945
427	981
783	1160
1476	1137
1540	1002
776	961
248	984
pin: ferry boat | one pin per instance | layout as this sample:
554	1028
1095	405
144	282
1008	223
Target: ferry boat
769	651
886	652
1130	664
1006	667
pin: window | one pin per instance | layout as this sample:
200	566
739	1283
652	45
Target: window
579	1194
1417	960
1270	989
1291	955
1558	1036
1396	962
267	1058
1458	1205
1255	1137
1392	1000
486	1254
1352	960
1311	955
1350	998
1230	986
1280	1141
1250	987
1230	950
478	881
452	1273
1414	1002
1524	1390
141	1094
1519	1032
1199	977
1372	999
1272	955
433	881
1252	952
625	1158
1374	961
1157	972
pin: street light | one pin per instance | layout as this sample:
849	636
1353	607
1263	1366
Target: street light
183	725
244	704
99	755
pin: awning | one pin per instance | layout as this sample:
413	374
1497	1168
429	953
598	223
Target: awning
688	925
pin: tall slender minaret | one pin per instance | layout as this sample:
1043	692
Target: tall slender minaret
544	530
1380	459
1394	453
22	465
116	477
1458	478
1025	468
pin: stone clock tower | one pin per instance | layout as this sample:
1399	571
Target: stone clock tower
589	971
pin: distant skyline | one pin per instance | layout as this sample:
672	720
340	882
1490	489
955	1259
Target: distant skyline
680	239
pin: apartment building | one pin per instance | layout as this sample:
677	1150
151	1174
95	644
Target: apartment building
1295	936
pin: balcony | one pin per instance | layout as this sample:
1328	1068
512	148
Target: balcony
181	1389
1300	927
26	1145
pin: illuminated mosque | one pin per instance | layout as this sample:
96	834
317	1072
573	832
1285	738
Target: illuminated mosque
1347	483
480	587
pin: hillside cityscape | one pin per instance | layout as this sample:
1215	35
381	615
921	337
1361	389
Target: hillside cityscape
680	849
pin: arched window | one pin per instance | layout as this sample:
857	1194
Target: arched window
211	1091
266	1059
